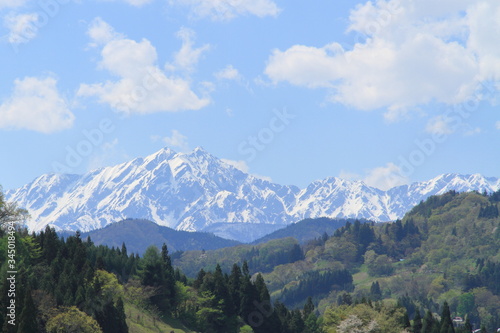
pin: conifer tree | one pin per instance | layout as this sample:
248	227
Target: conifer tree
27	319
308	307
417	323
429	323
446	324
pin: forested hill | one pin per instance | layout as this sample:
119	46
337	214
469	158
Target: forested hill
306	229
138	234
445	249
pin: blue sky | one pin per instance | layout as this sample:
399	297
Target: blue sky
387	92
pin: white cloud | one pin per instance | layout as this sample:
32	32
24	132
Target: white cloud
307	66
471	131
142	86
176	140
100	32
138	3
238	164
384	177
12	3
439	125
188	56
228	73
36	105
497	125
406	53
228	9
243	167
22	27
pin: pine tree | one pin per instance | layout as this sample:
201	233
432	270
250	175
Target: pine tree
406	320
27	319
429	323
446	324
124	250
417	323
375	292
121	321
234	286
199	279
308	307
261	287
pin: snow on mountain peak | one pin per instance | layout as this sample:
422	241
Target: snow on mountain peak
191	191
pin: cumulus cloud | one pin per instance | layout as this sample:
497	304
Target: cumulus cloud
229	9
100	32
405	53
384	177
228	73
243	166
188	56
142	87
22	27
238	164
36	105
138	3
439	125
176	140
12	3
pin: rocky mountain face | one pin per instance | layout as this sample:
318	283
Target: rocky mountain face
192	191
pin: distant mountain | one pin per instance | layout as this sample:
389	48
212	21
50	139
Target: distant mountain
242	232
193	191
305	230
139	234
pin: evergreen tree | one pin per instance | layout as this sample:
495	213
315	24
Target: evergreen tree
375	292
199	279
417	323
234	286
429	323
308	308
446	324
27	319
405	321
120	318
261	287
124	250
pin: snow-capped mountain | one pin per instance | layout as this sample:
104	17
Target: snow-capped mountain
191	191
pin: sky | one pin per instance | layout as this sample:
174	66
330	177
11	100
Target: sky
387	92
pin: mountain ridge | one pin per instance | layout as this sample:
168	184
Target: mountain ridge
192	191
139	234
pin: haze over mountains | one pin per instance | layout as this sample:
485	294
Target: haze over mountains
196	191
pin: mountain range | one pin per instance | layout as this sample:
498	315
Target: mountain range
196	191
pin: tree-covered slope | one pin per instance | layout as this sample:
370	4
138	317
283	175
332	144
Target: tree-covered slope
305	230
445	249
138	234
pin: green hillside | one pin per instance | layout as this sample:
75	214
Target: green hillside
261	258
445	249
305	230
